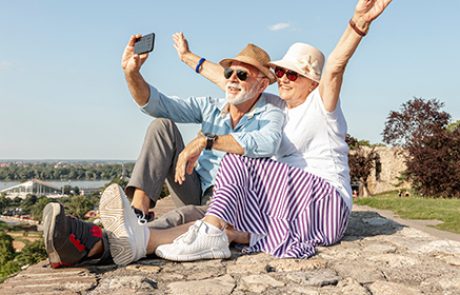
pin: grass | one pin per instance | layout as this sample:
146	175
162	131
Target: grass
416	207
24	237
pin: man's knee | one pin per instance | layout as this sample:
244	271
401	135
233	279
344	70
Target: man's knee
179	216
161	125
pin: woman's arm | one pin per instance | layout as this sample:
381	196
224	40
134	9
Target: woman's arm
331	81
211	71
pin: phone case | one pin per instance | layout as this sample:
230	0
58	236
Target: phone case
144	44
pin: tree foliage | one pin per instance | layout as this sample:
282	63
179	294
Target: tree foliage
361	162
6	248
4	203
77	205
32	253
418	119
58	171
11	262
37	209
433	150
453	126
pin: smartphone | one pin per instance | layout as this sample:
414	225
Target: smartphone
144	44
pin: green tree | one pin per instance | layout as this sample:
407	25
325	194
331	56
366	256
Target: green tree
6	248
28	203
37	209
453	126
10	262
16	202
78	206
361	163
67	188
421	127
32	253
4	203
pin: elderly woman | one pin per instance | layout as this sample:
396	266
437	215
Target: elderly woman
287	206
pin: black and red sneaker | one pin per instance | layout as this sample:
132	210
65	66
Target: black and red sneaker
68	240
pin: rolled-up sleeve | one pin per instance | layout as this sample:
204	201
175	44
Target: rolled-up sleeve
265	141
187	110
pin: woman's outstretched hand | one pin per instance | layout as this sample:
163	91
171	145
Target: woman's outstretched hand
368	10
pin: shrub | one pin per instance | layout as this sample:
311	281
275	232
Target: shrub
433	150
11	262
361	163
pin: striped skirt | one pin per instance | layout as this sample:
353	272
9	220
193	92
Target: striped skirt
287	211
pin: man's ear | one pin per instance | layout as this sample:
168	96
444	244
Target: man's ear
263	84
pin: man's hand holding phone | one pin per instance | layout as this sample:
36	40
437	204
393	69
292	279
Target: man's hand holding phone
136	52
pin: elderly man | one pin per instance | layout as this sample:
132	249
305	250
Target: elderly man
247	122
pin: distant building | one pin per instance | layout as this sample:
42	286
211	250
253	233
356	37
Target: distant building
386	175
33	187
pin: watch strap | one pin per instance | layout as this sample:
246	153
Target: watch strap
210	139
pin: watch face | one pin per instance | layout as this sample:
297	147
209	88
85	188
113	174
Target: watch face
210	138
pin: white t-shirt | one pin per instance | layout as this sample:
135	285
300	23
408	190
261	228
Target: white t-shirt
314	140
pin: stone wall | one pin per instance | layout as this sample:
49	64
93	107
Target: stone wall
392	161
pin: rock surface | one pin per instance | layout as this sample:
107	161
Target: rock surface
377	256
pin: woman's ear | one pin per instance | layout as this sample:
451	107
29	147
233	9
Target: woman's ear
313	86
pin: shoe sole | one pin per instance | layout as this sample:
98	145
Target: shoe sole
111	209
208	254
50	212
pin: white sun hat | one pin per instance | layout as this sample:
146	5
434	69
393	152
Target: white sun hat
303	59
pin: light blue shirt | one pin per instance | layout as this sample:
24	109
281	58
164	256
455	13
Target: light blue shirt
258	132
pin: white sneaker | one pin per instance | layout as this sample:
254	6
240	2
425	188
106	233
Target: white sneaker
197	243
128	238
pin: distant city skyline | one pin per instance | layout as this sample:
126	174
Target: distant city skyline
63	94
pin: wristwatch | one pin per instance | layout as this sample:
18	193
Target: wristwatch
210	139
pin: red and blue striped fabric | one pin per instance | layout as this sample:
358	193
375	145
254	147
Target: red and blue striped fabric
290	210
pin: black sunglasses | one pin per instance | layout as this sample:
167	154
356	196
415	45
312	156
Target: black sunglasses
291	75
240	74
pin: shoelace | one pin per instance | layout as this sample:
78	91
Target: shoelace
190	235
142	218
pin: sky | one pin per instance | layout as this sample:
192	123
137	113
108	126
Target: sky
63	94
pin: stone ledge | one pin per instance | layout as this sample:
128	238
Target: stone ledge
377	256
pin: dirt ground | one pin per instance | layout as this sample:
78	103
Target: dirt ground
18	242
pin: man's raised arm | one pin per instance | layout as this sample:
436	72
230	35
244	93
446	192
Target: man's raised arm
211	71
131	64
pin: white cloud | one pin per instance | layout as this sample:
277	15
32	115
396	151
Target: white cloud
279	26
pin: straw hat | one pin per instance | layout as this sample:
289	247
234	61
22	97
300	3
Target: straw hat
254	56
303	59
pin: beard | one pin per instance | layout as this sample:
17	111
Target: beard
242	96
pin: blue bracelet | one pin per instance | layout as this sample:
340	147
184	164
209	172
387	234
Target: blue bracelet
198	66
